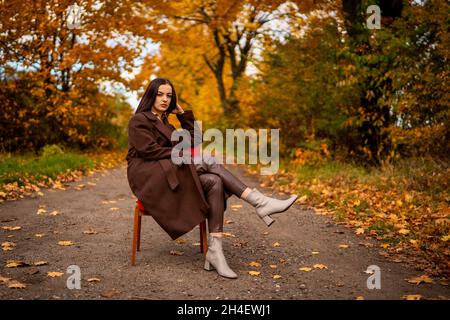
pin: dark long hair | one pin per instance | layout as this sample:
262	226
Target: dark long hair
148	100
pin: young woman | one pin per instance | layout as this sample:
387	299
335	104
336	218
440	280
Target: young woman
179	197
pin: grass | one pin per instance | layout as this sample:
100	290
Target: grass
405	204
13	168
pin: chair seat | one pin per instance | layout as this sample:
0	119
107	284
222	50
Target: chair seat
141	207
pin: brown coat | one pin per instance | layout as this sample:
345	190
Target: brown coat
171	193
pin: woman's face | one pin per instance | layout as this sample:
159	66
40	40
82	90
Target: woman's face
163	97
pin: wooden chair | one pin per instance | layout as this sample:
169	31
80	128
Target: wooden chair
140	211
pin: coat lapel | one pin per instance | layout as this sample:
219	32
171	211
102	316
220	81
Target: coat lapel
164	129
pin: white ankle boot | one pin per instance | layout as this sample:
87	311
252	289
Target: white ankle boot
265	206
216	260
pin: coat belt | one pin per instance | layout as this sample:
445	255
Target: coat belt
169	171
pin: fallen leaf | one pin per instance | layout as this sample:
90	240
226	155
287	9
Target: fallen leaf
254	273
359	298
273	266
93	280
54	213
41	211
403	231
8	228
4	280
305	269
412	297
114	209
229	221
315	252
418	280
16	264
54	274
277	276
254	264
39	235
176	253
40	263
90	231
359	231
66	243
320	266
343	246
8	246
276	244
180	241
236	206
16	285
227	234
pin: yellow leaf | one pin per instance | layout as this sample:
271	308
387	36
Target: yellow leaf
113	209
54	274
254	264
4	280
359	298
180	241
93	280
412	297
227	234
90	231
276	244
15	264
315	252
39	235
41	211
273	266
385	246
66	243
277	276
11	228
343	246
445	238
40	263
176	253
54	213
320	266
16	285
254	273
306	269
403	231
360	231
418	280
8	246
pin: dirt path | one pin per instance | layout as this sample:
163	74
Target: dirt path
105	204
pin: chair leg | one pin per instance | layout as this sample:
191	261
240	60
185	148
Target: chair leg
135	236
139	232
203	238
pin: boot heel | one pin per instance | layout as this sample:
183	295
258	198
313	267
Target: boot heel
268	220
208	266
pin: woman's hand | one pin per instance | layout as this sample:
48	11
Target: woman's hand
178	110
